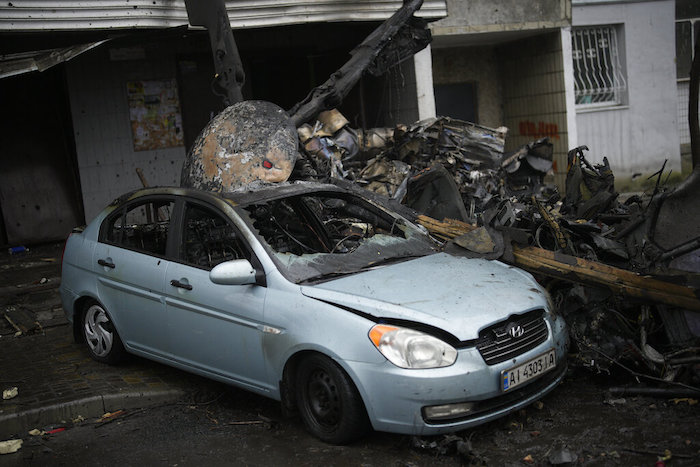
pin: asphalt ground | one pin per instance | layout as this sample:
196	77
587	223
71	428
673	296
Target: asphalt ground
57	382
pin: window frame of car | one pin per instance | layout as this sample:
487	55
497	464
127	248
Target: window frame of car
179	230
121	211
176	229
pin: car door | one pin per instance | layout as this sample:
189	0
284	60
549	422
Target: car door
130	262
214	328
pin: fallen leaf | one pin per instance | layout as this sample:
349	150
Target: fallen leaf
528	459
538	405
534	434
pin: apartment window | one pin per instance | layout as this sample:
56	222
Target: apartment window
687	33
598	73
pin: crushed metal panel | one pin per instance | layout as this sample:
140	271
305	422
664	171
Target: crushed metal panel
248	141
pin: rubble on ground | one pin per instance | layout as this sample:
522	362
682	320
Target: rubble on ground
626	304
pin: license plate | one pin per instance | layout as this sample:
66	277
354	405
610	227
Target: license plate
532	369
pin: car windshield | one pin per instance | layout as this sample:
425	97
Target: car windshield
317	236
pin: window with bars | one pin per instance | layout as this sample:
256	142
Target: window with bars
598	74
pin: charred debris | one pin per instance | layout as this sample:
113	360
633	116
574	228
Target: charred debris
621	270
631	304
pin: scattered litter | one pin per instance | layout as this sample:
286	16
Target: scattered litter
36	432
562	456
110	416
449	444
529	459
687	400
10	446
614	402
78	419
10	393
55	430
15	250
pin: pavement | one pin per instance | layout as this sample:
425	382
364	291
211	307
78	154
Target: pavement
57	382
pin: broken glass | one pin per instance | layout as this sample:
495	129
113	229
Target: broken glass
322	235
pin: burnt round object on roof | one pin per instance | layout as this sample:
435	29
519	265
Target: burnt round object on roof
248	141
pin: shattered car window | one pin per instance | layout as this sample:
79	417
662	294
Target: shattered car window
323	235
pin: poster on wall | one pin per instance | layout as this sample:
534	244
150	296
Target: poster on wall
154	110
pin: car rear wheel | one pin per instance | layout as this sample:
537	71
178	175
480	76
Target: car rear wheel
101	337
329	404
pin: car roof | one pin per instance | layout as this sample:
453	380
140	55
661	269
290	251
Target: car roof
258	193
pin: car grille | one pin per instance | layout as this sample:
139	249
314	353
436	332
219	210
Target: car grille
496	345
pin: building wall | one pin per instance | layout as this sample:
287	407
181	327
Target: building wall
636	137
534	95
479	65
106	158
503	15
107	161
519	84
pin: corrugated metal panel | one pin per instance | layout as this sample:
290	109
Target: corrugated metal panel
43	15
41	60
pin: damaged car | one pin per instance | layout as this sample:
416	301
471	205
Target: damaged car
319	297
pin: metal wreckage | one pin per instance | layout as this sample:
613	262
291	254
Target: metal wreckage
623	272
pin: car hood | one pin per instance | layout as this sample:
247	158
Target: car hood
458	295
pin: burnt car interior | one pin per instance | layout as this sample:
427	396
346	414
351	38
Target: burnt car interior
208	239
320	223
143	227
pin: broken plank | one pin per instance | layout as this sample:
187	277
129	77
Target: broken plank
445	229
628	283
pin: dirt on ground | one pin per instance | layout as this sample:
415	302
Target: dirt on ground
577	424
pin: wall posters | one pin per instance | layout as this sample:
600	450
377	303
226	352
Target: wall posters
154	111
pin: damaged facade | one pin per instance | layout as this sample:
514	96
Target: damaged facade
107	97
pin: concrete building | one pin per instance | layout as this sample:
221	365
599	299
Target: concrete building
93	91
507	62
625	83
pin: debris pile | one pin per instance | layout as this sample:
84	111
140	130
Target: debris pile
595	252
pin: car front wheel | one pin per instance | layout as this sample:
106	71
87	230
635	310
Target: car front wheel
102	339
329	404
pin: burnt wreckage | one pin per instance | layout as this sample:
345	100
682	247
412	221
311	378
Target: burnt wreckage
623	277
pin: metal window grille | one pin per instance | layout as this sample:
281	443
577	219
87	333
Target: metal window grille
598	74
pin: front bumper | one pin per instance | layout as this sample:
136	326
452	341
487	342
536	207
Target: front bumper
395	397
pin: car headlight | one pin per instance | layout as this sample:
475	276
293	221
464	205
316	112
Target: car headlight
407	348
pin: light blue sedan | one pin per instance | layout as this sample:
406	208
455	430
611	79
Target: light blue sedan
316	296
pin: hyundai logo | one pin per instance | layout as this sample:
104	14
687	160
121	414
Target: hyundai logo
516	331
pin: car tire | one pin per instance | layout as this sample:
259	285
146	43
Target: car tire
103	341
328	401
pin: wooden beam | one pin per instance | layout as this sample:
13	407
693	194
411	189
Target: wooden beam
622	281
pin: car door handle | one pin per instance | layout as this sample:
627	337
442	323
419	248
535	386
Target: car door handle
176	283
106	264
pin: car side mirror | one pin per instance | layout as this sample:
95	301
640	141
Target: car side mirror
235	272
